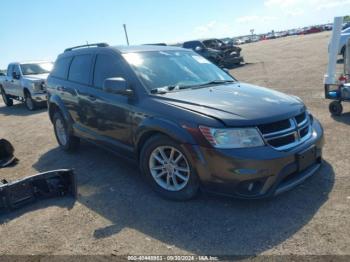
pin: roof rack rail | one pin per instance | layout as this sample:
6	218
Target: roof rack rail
87	45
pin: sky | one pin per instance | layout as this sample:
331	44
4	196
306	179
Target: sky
41	29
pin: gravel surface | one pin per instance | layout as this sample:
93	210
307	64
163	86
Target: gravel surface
117	213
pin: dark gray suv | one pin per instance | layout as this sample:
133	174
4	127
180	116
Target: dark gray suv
187	123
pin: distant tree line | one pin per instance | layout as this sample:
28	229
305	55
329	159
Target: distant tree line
347	18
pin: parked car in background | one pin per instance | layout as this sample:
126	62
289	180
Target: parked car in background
312	30
231	53
328	27
238	41
270	36
255	38
25	82
215	56
222	56
186	122
292	32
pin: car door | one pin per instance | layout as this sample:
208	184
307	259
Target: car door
76	93
16	82
112	111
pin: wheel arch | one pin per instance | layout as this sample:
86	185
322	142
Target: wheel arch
25	90
152	127
55	104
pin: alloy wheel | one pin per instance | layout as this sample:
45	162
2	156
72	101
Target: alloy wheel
61	132
169	168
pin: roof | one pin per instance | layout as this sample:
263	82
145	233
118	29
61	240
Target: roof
146	48
119	49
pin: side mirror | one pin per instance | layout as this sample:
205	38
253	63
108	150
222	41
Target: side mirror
117	85
14	75
198	49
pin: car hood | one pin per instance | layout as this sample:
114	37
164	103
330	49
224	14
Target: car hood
237	104
36	77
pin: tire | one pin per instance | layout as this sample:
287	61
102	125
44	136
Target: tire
336	108
67	141
179	180
30	104
7	100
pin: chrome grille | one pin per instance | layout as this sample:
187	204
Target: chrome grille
287	133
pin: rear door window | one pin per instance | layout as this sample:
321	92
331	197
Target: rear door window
61	67
106	66
80	69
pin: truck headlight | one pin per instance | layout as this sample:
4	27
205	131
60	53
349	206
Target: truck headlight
232	137
37	87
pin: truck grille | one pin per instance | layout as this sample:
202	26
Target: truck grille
287	133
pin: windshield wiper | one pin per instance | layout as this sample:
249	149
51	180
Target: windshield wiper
166	89
213	82
217	82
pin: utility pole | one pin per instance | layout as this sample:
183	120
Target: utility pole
126	34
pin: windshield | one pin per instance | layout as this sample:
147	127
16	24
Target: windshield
174	68
36	69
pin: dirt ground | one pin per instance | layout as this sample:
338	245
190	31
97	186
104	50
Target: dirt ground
117	213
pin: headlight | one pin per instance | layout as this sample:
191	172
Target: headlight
232	137
37	86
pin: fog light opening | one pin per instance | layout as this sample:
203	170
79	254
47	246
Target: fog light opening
250	186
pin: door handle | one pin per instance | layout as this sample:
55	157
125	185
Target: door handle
61	88
92	97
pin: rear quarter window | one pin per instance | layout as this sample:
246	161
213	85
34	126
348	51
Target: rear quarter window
61	67
80	69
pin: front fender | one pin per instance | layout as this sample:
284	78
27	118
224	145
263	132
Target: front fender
27	84
160	125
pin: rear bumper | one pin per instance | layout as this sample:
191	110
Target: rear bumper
257	172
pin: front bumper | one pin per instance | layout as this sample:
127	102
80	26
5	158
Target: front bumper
257	172
229	60
39	97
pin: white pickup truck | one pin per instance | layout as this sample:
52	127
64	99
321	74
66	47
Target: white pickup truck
25	82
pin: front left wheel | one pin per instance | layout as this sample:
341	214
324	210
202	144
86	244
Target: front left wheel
168	169
29	102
